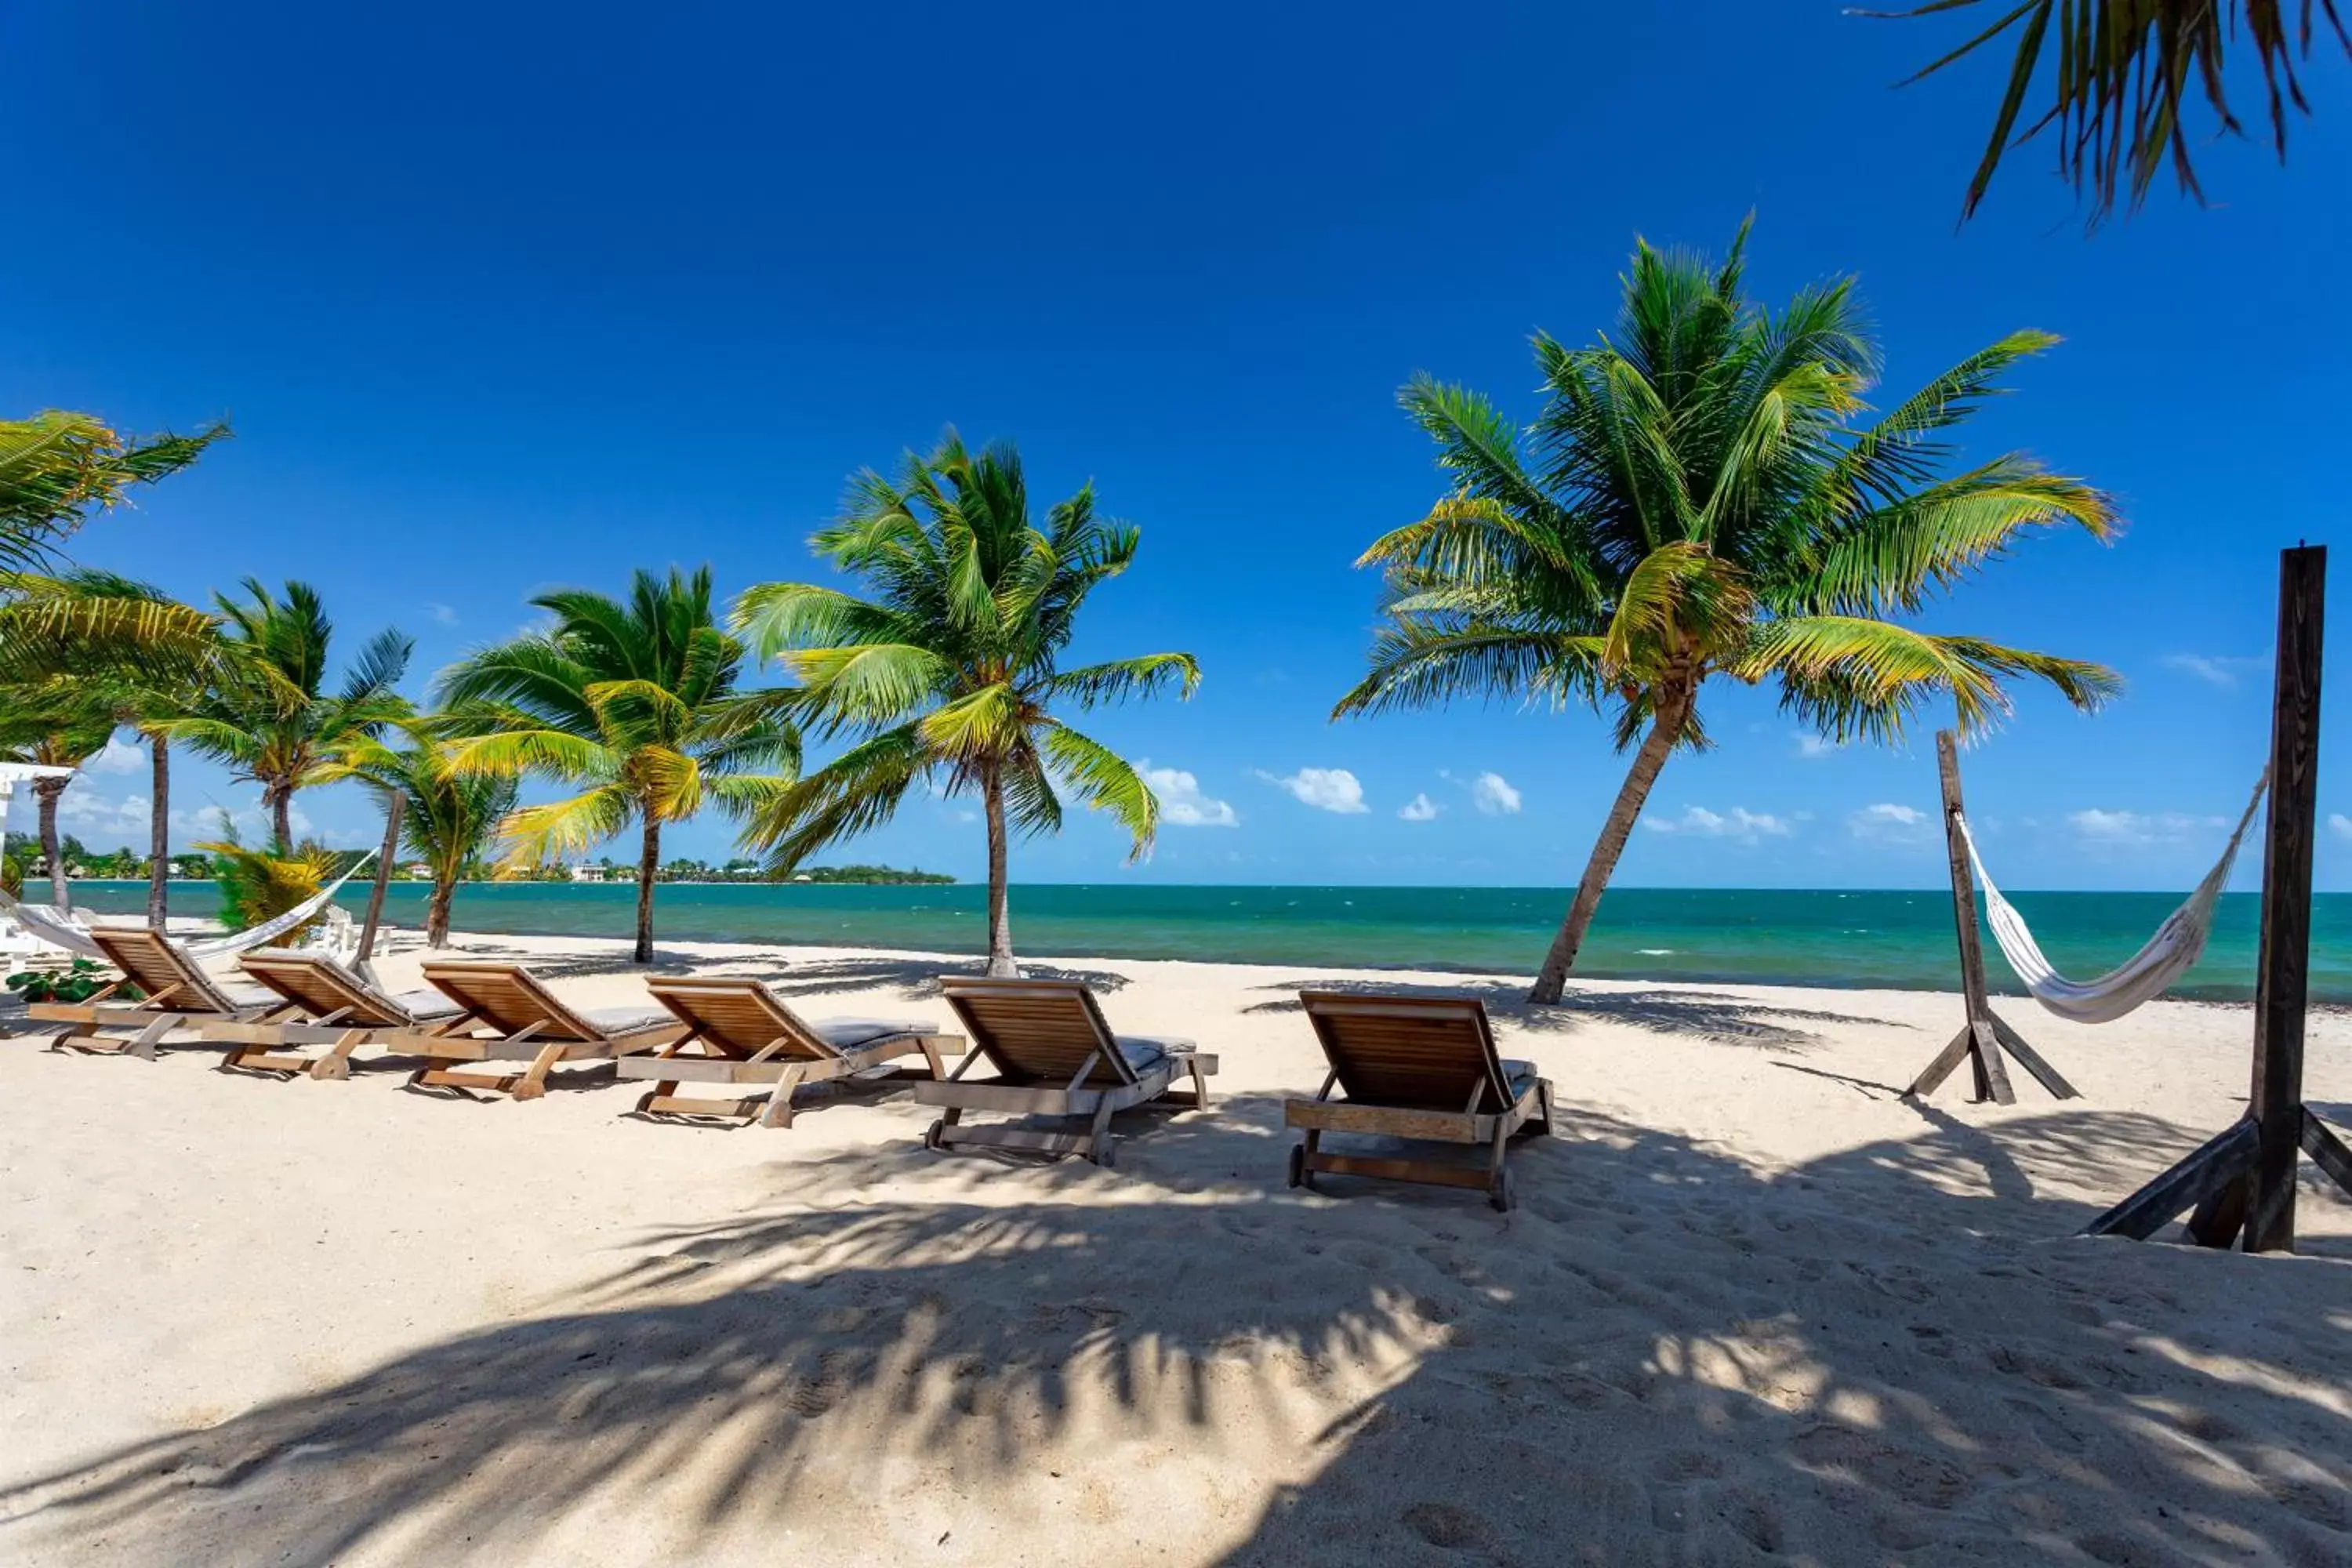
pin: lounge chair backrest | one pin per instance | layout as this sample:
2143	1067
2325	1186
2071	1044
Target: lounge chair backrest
509	998
1425	1052
738	1015
160	968
1037	1030
320	985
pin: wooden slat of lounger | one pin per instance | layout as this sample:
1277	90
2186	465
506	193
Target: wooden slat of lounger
1409	1052
158	968
318	988
1036	1031
509	998
740	1017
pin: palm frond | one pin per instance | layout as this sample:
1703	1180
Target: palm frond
1103	781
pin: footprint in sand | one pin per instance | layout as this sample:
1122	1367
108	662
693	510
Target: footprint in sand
1443	1524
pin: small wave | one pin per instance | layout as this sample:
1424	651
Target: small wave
1655	951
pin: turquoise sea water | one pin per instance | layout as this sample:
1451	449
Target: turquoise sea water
1901	939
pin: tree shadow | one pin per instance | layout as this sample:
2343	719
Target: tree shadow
915	978
1716	1017
1664	1355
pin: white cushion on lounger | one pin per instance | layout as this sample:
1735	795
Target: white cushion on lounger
1145	1052
626	1020
426	1003
846	1034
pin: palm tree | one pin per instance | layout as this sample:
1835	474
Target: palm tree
2124	79
952	667
271	719
56	468
1700	497
635	701
54	726
446	819
126	649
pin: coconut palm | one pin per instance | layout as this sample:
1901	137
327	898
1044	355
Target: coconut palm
2124	79
56	468
951	670
126	649
446	819
270	717
1702	496
635	701
55	726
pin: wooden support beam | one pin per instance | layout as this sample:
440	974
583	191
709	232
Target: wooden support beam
2282	986
1984	1035
2242	1182
2221	1160
2328	1151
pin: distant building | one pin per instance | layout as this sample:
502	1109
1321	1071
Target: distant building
587	873
803	877
421	871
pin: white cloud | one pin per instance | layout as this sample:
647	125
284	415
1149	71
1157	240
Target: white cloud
1181	803
1813	747
1887	819
1420	808
2134	827
443	613
2340	825
2215	670
1739	823
121	756
1326	789
1491	793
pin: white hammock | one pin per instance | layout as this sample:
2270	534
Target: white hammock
54	927
2142	977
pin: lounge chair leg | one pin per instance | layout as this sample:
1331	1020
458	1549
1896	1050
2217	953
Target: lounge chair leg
1098	1146
337	1063
142	1044
1498	1189
932	1055
1200	1085
659	1092
779	1103
532	1085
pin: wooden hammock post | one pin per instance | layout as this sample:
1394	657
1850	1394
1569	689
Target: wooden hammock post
2241	1183
1984	1035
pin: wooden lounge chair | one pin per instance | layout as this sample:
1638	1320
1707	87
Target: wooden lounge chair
505	1014
1054	1056
739	1031
328	1003
1416	1068
178	993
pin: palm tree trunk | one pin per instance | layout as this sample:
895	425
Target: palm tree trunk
437	912
392	802
158	838
1665	729
46	792
1000	900
281	800
648	866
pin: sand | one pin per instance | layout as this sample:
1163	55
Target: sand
1753	1308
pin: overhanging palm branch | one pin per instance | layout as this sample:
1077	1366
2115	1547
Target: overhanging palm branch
2121	78
57	467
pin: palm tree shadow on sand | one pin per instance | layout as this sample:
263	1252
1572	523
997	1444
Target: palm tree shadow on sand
1664	1355
1720	1017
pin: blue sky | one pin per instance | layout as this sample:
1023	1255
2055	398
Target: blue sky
501	298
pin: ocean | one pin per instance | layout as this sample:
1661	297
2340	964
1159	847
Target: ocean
1897	939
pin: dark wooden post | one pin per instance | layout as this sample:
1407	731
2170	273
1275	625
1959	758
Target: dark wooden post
2284	975
393	801
1983	1034
2244	1179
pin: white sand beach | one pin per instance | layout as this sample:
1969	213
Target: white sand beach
1752	1308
